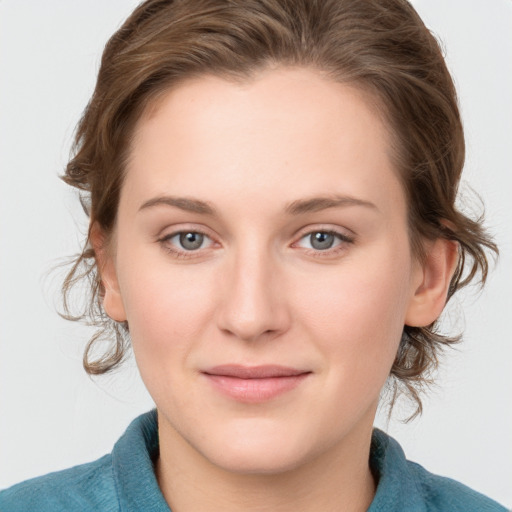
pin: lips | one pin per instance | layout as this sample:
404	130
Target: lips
254	372
254	384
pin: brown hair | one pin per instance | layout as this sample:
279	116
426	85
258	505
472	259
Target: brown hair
379	45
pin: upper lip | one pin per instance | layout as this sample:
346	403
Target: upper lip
254	372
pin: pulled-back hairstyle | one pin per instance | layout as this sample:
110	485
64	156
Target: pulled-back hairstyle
380	46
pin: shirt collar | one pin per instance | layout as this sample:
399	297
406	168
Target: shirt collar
396	489
132	463
134	454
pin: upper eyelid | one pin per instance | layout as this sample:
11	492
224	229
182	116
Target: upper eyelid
343	238
325	228
170	231
170	236
181	232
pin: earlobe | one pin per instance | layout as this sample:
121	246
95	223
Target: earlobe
435	274
112	300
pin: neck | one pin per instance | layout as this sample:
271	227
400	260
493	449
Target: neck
339	479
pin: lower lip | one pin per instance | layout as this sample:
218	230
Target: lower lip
255	390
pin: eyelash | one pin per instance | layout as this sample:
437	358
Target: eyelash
343	240
181	254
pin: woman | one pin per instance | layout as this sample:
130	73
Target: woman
271	191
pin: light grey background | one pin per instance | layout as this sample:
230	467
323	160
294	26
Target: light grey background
53	416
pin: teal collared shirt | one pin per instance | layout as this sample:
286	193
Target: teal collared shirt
124	481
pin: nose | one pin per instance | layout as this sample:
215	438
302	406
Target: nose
254	302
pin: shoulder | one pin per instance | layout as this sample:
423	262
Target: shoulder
442	493
124	479
406	486
85	487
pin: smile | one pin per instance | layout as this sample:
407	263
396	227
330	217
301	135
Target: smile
254	384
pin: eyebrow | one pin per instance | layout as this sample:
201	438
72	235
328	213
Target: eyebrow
298	207
183	203
316	204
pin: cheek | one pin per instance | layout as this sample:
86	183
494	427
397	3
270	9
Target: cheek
167	317
166	307
356	313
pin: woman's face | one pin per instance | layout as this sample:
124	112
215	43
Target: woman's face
262	261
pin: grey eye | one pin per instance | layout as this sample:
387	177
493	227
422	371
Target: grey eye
321	240
191	241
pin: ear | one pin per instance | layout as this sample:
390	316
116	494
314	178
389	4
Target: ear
112	300
432	280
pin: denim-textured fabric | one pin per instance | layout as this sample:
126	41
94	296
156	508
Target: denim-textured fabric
124	481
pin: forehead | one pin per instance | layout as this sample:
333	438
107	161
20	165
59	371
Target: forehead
288	128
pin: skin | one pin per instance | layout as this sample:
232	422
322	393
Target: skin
258	292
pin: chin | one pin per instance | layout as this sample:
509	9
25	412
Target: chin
257	461
253	450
